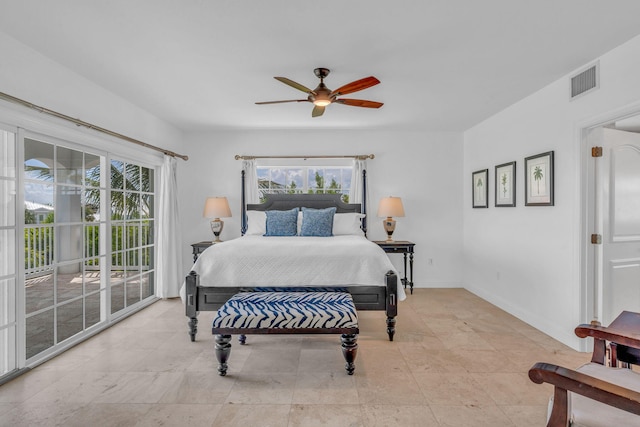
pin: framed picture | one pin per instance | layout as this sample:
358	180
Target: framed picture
480	189
505	185
538	180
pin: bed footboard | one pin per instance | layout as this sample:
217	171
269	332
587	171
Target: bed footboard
378	298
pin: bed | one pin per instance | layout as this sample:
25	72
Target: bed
255	262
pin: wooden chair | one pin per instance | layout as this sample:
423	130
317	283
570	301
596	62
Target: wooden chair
596	394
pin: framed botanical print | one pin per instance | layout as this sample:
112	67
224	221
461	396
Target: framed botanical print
480	189
505	185
538	180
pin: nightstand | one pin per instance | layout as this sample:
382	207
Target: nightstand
199	247
401	247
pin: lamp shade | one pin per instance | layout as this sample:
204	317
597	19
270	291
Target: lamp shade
216	207
390	206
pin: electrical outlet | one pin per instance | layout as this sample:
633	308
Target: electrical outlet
430	261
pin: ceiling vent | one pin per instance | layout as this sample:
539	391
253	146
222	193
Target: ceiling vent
585	81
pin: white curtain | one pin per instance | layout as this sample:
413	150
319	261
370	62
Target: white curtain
252	194
169	265
355	193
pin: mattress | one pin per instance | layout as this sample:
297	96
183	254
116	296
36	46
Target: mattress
295	262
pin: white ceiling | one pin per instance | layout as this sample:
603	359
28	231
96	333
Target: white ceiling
201	64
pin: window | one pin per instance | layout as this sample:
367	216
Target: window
318	179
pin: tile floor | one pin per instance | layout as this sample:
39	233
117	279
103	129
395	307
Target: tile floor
456	361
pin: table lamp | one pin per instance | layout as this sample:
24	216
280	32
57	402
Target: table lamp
390	207
216	208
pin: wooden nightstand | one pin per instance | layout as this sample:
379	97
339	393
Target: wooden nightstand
400	247
199	247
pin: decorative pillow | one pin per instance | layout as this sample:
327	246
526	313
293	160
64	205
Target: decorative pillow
282	223
256	223
348	224
317	222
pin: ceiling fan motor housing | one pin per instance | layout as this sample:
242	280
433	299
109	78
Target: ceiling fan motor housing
321	94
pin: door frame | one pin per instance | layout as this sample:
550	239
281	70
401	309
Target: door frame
589	255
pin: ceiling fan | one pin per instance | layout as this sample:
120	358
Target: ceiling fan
323	96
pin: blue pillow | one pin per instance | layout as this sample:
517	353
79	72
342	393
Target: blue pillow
282	223
317	222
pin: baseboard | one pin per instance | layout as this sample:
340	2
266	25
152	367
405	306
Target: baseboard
435	284
13	374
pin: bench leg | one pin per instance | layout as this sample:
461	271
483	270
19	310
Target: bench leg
193	328
222	350
349	351
391	327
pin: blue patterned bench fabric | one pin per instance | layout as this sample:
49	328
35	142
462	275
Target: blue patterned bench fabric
287	310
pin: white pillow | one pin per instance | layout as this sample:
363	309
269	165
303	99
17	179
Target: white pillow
343	224
256	223
347	224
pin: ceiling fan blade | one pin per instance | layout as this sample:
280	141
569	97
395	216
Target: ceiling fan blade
317	111
280	102
356	86
359	103
294	84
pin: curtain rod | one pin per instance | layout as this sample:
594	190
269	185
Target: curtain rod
79	122
357	156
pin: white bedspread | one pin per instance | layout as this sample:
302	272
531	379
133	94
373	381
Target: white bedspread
295	261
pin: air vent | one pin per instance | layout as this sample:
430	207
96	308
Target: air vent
585	81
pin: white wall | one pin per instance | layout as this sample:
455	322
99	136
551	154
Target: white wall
535	250
526	260
31	76
422	168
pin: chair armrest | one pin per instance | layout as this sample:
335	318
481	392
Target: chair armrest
608	334
601	335
569	380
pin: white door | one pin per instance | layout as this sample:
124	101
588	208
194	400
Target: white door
618	221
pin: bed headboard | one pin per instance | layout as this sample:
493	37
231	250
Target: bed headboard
284	202
315	201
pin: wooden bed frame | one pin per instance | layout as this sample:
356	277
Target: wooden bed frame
380	298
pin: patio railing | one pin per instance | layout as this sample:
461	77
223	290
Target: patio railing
40	243
38	249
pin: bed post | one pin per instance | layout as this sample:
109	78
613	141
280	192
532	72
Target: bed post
191	288
364	201
391	280
243	218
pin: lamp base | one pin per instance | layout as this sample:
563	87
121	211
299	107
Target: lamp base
216	227
389	225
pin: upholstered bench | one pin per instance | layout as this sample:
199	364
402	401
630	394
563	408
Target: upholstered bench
294	312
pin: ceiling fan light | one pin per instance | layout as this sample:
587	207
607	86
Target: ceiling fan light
322	102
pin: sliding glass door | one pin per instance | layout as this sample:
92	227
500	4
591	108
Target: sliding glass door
8	270
65	252
77	243
88	241
132	224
